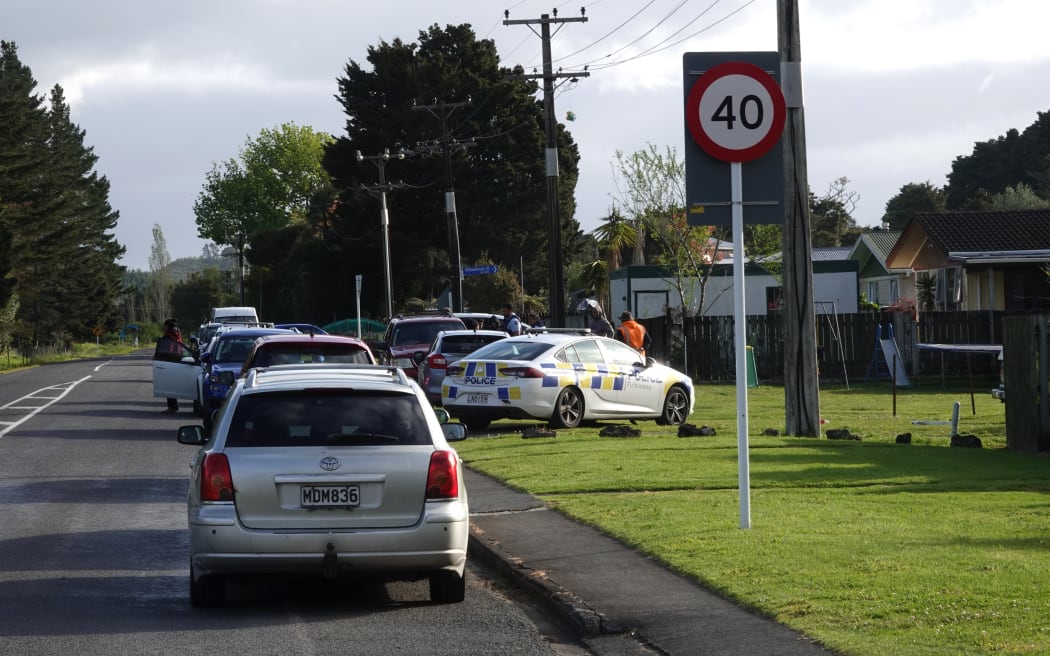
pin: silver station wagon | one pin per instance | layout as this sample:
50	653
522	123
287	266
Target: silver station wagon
335	471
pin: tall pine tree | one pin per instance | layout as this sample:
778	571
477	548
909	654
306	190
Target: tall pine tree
63	255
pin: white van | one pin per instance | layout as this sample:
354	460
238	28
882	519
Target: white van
234	315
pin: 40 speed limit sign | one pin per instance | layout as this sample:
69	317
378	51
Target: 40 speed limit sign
735	112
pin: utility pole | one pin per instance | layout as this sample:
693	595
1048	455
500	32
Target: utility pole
557	265
801	389
442	110
384	217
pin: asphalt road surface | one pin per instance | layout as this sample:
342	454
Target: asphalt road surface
94	551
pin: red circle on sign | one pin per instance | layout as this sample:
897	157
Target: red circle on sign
711	145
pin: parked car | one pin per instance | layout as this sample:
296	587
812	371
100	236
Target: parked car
305	328
564	377
406	335
335	471
270	350
204	335
224	362
449	347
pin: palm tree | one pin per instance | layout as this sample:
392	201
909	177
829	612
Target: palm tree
613	236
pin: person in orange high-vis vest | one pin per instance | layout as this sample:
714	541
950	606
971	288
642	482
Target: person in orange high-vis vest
633	333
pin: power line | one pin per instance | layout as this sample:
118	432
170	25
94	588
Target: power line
652	50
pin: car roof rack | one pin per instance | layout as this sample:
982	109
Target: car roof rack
379	370
559	331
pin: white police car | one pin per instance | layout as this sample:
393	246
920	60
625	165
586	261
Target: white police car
564	378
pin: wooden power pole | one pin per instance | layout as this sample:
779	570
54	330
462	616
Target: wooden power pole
801	384
557	264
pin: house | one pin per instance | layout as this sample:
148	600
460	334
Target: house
648	291
879	284
980	260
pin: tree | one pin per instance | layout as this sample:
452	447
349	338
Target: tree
1019	197
651	186
193	298
500	180
613	236
831	215
269	187
63	256
159	291
490	292
1012	159
912	198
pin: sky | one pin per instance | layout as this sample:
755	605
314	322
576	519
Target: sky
894	90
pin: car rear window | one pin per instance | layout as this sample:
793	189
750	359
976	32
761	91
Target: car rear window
507	349
422	332
311	354
327	417
465	344
233	349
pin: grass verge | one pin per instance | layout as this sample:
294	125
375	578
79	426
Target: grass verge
869	546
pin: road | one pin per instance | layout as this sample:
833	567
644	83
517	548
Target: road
94	551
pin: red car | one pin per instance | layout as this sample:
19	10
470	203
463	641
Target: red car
406	335
307	349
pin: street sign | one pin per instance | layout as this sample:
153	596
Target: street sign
707	178
479	270
735	112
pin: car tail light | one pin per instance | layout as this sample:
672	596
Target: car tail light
443	479
437	361
455	370
522	372
216	481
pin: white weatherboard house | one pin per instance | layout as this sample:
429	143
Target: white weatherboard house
648	290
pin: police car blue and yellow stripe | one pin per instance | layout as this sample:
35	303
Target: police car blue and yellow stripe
558	375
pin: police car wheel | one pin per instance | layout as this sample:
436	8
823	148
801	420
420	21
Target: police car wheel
676	407
568	409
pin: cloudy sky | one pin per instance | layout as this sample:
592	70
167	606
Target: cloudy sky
895	90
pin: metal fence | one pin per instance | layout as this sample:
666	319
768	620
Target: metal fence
847	345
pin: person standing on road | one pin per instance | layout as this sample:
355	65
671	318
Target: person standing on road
633	333
511	323
169	348
599	324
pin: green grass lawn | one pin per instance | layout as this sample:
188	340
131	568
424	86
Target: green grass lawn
868	546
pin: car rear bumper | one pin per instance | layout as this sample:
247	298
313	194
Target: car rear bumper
221	545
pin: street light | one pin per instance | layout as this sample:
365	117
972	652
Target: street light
384	219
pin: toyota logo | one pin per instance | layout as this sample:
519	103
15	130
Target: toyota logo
330	463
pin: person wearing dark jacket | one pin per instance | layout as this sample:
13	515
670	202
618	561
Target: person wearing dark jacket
169	348
599	324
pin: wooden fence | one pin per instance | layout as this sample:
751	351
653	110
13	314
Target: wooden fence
846	345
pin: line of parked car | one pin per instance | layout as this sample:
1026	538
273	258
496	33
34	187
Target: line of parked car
318	457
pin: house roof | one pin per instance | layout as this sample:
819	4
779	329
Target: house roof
880	242
872	248
970	232
961	236
830	253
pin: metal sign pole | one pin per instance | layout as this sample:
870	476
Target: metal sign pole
357	281
740	344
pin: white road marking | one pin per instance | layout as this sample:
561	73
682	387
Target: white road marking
63	388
